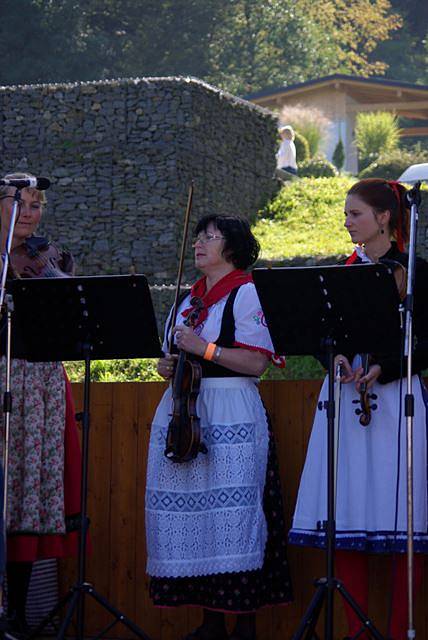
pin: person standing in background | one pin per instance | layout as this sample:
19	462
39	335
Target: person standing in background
286	156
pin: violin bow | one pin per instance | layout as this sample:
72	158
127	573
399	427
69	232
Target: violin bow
181	263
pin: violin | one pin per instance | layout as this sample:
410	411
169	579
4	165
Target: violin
183	440
365	409
36	257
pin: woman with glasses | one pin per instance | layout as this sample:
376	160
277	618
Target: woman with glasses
44	456
215	534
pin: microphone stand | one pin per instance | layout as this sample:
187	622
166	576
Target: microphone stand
414	199
6	305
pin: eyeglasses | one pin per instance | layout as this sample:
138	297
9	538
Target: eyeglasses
203	239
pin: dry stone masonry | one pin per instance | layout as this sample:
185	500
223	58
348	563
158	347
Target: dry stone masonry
121	155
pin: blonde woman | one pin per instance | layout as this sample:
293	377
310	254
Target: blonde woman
44	456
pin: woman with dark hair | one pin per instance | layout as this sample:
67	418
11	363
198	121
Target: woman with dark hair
371	508
214	525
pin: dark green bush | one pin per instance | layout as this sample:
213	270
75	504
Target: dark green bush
390	166
302	147
339	155
318	167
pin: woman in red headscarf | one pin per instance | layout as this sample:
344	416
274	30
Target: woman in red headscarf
371	509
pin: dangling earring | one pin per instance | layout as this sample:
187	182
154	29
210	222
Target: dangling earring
382	231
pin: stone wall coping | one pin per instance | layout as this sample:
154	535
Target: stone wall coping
92	85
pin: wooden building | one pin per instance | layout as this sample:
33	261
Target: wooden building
340	97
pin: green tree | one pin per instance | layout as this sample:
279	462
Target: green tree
44	41
69	40
259	44
156	37
242	45
407	51
339	155
356	29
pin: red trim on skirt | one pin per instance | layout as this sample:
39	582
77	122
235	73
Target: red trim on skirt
28	548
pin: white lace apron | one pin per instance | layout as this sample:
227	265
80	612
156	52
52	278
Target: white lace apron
206	516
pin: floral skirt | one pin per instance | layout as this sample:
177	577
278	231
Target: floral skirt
244	591
44	463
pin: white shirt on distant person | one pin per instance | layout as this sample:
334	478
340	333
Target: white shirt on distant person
286	156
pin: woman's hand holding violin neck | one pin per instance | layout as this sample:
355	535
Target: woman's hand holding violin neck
347	373
166	365
369	379
187	340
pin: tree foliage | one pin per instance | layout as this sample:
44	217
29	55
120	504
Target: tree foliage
407	51
356	29
339	155
260	44
242	45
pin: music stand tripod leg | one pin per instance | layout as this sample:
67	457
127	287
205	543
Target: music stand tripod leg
328	585
365	620
77	593
306	628
121	617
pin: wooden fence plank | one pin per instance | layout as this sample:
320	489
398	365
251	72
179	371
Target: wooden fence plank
121	415
123	489
99	481
289	408
147	616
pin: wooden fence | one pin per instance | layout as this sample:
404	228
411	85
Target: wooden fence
120	423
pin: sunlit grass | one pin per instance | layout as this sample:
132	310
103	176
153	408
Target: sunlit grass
305	219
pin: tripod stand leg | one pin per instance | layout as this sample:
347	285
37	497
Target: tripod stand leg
81	617
75	599
365	620
308	622
117	614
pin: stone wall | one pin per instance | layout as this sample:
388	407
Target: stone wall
121	155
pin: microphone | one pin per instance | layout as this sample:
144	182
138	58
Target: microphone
22	183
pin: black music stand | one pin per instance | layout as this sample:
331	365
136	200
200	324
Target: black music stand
83	318
330	310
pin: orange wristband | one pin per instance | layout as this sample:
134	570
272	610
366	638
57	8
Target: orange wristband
210	351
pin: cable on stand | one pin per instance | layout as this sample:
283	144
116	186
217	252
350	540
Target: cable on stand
414	200
6	308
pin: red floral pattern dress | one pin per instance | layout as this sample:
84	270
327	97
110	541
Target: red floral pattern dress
44	460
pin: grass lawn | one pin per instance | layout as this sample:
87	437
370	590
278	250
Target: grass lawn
305	219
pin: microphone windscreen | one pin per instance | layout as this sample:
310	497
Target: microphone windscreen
43	184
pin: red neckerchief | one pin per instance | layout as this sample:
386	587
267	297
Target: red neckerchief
352	258
217	292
